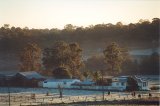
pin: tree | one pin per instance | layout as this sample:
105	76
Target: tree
65	55
57	56
96	76
130	67
30	58
75	58
114	57
150	64
135	36
85	74
132	84
95	63
62	73
69	27
6	26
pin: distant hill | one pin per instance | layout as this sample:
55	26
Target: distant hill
92	39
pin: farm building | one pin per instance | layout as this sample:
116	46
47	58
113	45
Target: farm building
54	83
2	80
142	83
6	79
27	79
119	83
87	84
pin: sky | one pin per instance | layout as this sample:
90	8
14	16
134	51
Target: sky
58	13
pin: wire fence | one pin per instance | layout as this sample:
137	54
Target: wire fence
26	99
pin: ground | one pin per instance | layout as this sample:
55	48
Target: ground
24	96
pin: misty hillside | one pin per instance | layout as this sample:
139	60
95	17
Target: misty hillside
92	39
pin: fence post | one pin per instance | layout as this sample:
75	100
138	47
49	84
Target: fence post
86	98
95	98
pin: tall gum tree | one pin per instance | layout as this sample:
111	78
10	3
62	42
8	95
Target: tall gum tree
114	57
66	55
30	58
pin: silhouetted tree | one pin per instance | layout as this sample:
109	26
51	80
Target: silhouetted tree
132	84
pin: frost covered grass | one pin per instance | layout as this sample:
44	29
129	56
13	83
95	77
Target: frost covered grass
23	96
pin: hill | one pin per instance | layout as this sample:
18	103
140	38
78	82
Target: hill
92	39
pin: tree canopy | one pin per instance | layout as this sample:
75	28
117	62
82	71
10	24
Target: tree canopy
30	58
141	34
62	73
92	39
65	55
114	57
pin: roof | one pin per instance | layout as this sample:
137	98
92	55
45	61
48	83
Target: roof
120	79
84	83
31	74
149	77
6	73
6	76
123	80
140	79
60	80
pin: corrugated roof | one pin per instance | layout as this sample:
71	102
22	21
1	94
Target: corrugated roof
31	74
120	79
60	80
140	79
84	83
123	80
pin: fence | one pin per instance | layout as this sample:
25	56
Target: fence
23	99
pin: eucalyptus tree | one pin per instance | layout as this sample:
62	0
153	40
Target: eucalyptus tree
114	57
63	54
30	58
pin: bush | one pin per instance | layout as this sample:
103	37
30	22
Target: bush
132	84
155	88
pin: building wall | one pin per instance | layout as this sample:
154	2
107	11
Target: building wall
111	88
143	85
119	85
55	84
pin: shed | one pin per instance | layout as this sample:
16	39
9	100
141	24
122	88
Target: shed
119	83
142	83
27	79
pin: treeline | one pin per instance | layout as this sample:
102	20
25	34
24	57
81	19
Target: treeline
148	66
142	34
64	60
92	39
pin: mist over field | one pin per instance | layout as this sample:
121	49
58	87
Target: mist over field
92	39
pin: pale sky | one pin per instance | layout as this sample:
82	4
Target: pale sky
58	13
